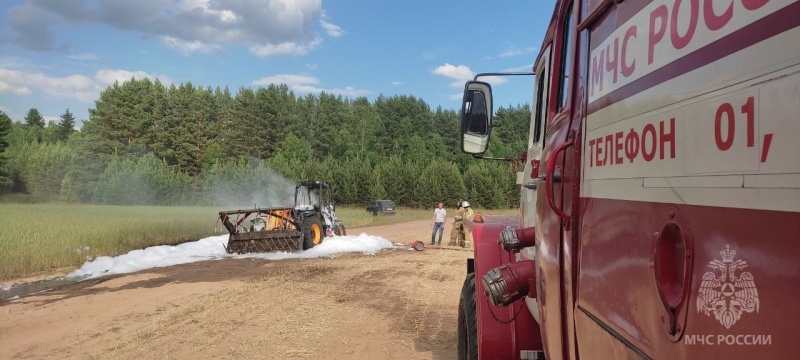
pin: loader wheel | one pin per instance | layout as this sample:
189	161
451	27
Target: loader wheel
312	232
468	321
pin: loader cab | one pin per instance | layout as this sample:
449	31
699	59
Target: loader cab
313	196
316	199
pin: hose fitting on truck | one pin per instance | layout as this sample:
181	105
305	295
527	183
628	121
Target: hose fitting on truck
508	283
513	239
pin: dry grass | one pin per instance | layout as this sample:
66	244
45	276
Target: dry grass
318	308
42	237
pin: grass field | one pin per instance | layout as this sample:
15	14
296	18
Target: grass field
39	238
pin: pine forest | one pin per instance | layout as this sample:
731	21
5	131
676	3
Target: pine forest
150	144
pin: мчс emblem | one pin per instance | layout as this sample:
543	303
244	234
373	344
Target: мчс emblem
727	296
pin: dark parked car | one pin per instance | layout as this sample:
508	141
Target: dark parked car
382	207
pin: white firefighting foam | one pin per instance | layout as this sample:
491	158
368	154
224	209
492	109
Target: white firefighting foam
211	248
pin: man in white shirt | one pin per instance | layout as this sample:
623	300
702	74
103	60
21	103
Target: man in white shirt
439	218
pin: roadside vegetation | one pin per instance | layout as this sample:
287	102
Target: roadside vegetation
38	238
41	238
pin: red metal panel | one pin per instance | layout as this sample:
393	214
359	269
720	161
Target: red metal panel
767	27
549	251
618	288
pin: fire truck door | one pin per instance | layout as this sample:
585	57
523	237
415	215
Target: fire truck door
535	166
552	216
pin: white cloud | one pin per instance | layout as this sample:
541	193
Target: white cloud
304	84
457	72
396	83
73	86
493	80
457	96
347	91
330	28
287	48
268	28
109	76
288	79
462	74
205	7
312	66
186	47
6	88
77	87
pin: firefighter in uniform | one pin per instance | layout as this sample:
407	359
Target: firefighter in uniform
467	231
457	232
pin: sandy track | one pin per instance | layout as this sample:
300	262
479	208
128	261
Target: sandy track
398	304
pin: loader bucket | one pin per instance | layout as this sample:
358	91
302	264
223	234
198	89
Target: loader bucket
271	229
265	241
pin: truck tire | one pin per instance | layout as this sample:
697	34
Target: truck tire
312	232
468	321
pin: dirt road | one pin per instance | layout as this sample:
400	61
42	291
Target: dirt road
398	304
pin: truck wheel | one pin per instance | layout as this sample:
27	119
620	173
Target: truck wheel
468	321
312	232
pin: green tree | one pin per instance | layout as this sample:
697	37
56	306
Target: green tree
243	135
91	158
5	129
440	181
446	123
34	121
295	149
364	125
512	123
398	178
480	186
353	178
401	117
50	133
124	115
46	167
34	118
67	125
144	181
395	146
376	189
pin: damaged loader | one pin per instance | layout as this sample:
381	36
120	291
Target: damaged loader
300	227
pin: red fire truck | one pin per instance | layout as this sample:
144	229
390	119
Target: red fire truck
660	206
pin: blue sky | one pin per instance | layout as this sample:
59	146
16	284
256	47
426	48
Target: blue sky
59	54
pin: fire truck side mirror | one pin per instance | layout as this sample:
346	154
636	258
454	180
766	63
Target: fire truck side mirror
476	117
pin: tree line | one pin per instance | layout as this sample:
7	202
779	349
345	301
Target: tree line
150	144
